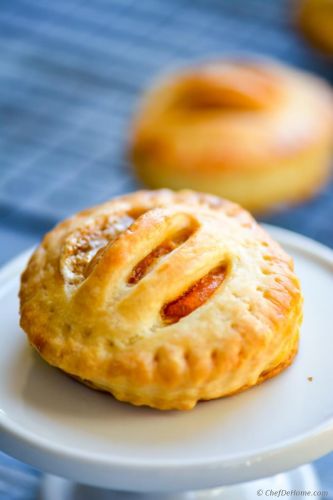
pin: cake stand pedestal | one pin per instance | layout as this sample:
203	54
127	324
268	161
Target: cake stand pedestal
63	428
302	479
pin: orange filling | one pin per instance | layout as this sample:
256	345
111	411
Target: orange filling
233	86
145	264
142	268
195	296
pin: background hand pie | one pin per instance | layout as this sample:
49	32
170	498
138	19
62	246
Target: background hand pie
258	133
162	299
315	18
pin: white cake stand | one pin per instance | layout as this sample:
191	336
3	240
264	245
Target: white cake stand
60	426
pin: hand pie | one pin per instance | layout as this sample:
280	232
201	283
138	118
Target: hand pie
257	133
315	18
163	299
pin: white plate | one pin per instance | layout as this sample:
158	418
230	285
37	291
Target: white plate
58	425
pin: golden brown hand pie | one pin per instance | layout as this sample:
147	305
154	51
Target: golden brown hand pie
163	299
258	133
315	18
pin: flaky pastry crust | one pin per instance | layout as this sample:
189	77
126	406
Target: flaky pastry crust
258	133
162	299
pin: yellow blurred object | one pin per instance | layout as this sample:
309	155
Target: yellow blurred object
316	21
258	133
